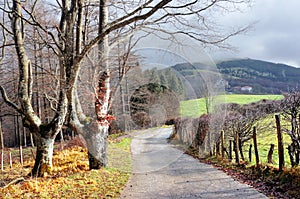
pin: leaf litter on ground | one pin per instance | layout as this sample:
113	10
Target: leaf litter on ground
71	177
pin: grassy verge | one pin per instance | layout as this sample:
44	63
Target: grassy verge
71	177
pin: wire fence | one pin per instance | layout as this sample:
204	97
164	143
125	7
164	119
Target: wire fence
194	133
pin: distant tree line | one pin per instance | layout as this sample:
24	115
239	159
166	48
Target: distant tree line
167	77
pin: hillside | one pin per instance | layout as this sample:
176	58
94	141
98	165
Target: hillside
245	76
264	77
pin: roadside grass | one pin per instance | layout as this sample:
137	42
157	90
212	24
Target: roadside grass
71	177
196	107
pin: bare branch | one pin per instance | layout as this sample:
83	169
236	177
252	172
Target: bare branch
120	24
8	101
51	100
140	8
38	24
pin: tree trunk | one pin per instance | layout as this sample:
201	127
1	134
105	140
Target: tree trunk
43	159
97	147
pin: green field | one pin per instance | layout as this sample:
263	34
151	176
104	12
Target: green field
196	107
267	135
266	128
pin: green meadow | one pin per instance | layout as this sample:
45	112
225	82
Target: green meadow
196	107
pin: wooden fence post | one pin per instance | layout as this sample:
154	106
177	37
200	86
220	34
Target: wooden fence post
230	150
237	157
280	143
250	153
222	144
255	147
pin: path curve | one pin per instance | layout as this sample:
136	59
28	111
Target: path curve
161	171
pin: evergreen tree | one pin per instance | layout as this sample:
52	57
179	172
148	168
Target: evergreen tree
163	78
154	77
174	83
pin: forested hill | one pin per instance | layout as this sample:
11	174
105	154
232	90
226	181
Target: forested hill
260	76
263	77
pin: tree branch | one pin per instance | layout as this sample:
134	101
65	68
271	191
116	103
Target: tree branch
8	101
117	25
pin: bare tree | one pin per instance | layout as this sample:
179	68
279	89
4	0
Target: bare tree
71	37
291	112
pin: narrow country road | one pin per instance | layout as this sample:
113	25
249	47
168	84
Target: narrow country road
161	171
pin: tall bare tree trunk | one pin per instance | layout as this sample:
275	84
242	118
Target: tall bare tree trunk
24	137
45	133
98	146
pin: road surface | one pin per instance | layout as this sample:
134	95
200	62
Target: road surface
161	171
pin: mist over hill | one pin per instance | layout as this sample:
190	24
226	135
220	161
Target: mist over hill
244	76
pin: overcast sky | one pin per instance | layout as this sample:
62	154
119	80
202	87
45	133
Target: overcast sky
276	35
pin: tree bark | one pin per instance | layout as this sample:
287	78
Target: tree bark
97	147
43	159
97	142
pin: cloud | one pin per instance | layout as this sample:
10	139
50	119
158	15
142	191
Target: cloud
276	35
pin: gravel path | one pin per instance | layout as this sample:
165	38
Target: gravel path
161	171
